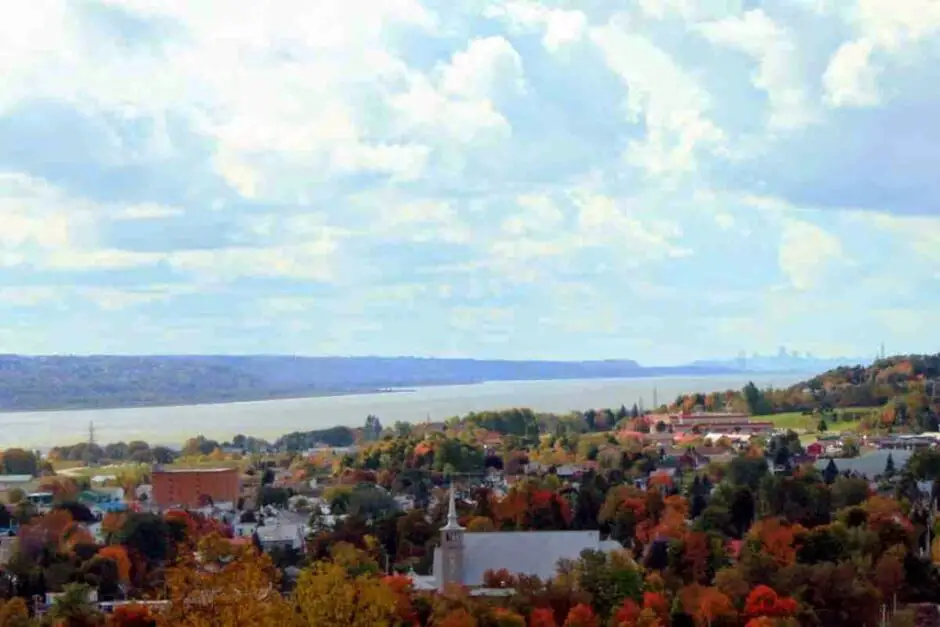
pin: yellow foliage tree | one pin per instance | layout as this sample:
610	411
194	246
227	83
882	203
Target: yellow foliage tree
329	595
14	613
238	586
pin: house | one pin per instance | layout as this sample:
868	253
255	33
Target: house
7	548
815	449
463	557
21	482
281	535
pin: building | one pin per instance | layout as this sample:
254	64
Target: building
195	487
26	483
464	557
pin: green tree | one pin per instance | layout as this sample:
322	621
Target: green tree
889	466
756	400
73	607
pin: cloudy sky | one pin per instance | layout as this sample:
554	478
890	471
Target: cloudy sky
662	180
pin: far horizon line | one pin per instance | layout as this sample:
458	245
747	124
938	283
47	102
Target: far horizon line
620	360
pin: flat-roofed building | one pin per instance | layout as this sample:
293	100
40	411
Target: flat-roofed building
195	487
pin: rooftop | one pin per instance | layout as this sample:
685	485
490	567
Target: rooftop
191	470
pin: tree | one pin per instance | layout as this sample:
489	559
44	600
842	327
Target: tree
581	615
73	607
231	585
821	426
14	613
148	534
328	595
132	616
756	401
117	554
542	617
764	601
889	466
17	461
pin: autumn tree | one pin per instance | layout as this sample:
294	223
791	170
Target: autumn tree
706	605
118	554
14	613
542	617
329	595
764	601
581	615
237	586
131	616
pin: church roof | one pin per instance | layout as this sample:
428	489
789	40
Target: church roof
523	552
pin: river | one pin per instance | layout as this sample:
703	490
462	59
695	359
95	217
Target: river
270	419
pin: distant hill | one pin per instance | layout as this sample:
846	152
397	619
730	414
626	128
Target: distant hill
906	386
101	381
781	362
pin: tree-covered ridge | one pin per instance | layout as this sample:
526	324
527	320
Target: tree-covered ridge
101	381
905	386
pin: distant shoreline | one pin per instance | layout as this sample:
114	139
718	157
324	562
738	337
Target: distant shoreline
362	392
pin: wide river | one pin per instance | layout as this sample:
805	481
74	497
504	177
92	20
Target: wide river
270	419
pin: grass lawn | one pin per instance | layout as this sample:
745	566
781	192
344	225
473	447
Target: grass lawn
797	421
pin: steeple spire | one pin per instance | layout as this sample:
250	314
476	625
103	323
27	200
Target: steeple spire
452	511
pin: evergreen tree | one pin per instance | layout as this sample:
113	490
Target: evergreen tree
822	427
830	473
889	466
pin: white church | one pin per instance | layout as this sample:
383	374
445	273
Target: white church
463	557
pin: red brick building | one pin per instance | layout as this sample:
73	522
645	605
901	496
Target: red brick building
193	487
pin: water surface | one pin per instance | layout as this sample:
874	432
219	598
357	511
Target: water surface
270	419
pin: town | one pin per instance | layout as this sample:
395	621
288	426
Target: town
687	514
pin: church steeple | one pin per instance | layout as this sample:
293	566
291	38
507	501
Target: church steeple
452	522
451	563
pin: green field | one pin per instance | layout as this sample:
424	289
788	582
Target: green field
798	422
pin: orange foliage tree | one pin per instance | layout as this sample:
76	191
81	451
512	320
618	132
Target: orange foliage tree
503	617
706	605
118	554
458	617
581	615
777	538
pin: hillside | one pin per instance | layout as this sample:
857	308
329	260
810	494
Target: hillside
100	381
906	386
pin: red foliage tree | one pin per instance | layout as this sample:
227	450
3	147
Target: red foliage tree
764	601
626	614
581	615
657	602
542	617
131	616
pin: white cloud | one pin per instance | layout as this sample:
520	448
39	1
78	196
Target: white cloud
778	58
560	27
805	252
884	28
536	213
489	66
604	220
668	100
850	79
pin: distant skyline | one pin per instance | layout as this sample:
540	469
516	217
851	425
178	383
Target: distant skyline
658	180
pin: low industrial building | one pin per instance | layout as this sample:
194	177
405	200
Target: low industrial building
195	487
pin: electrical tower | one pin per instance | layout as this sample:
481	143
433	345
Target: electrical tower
91	432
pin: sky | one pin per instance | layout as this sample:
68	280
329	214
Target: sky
661	180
